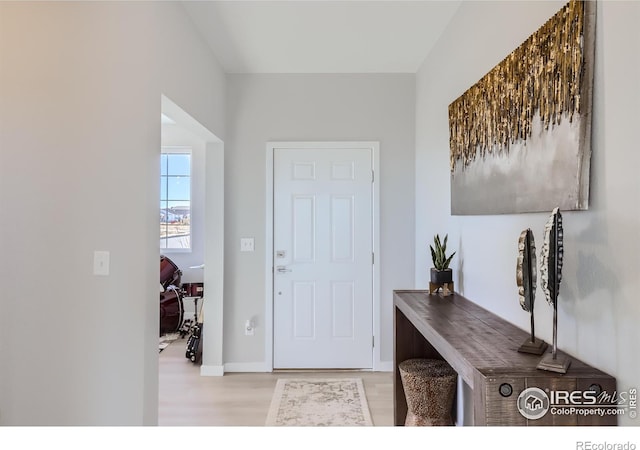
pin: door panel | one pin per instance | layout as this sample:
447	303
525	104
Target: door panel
304	307
323	243
304	234
342	312
342	232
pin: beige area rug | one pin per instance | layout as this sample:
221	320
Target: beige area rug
319	402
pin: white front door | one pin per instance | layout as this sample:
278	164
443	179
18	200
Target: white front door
323	260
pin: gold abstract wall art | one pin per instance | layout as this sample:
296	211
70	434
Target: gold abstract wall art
520	137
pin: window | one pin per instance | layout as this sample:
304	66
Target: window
175	199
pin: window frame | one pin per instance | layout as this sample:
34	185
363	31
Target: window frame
177	149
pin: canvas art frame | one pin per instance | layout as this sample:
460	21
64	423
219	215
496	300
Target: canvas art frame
520	138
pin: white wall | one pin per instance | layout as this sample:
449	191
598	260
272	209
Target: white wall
598	307
263	108
81	87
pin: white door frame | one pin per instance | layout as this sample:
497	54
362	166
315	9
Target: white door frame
212	338
269	250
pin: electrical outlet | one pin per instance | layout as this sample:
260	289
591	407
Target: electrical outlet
246	244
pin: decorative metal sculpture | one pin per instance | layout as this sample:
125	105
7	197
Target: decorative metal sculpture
551	274
526	277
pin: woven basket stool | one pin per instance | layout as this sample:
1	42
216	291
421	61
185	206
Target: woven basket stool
429	387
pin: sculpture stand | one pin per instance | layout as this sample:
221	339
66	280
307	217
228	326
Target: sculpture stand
533	345
536	347
552	362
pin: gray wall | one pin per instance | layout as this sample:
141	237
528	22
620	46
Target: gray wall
263	108
599	310
81	87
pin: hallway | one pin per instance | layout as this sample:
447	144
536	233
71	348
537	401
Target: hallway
242	399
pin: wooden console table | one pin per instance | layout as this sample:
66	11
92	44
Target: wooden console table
483	350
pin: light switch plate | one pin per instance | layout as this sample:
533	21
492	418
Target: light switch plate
246	244
101	263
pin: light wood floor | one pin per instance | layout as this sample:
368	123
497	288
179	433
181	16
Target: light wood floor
242	399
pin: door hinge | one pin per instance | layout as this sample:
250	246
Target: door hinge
373	341
373	176
373	258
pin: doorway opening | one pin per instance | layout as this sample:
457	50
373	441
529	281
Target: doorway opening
203	262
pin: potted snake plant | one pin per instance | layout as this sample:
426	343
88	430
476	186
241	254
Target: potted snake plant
440	272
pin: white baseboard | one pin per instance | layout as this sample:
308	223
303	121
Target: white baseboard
246	367
218	371
211	371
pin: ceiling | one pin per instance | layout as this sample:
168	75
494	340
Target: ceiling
299	36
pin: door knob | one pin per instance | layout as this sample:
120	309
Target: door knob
282	269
